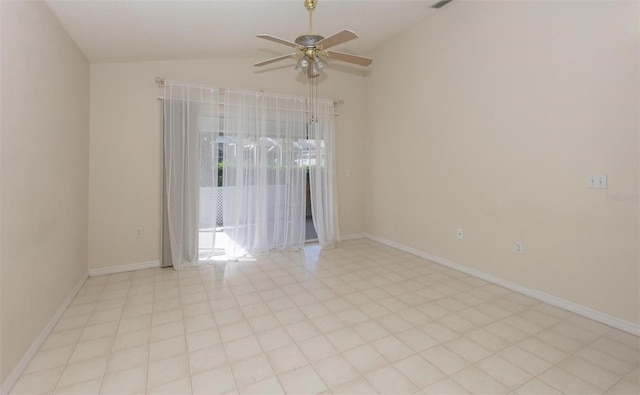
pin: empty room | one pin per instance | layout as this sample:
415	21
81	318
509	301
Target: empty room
319	196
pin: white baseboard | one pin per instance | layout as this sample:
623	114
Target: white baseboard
588	312
353	236
13	377
123	268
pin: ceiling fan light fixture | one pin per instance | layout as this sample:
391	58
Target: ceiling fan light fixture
313	70
303	63
319	63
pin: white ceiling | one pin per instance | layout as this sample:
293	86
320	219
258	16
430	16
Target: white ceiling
144	30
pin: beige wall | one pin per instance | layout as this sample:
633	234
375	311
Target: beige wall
44	162
125	180
494	114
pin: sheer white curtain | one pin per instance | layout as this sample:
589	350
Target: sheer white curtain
189	117
322	175
264	172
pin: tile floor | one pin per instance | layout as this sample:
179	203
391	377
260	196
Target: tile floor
360	318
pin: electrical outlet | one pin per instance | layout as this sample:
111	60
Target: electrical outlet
519	247
459	233
139	231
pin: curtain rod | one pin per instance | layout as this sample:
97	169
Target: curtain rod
222	105
160	82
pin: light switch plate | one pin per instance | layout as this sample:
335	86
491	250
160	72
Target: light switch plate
598	181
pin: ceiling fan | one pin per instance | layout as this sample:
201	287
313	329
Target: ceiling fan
314	48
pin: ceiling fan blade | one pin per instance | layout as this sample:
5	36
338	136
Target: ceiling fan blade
277	58
347	57
278	40
338	38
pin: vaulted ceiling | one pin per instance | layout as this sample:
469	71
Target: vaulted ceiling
146	30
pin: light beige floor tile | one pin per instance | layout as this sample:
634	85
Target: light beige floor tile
302	381
85	388
167	348
100	317
167	331
467	349
617	349
360	309
592	374
83	371
182	386
605	361
624	387
132	339
478	382
79	321
389	380
328	323
416	339
228	316
352	316
43	381
251	370
273	338
444	359
419	371
167	371
268	386
335	370
215	381
542	349
345	339
242	348
566	382
537	387
202	339
488	340
136	310
290	316
128	358
439	332
365	359
576	332
302	330
62	339
235	331
624	338
392	349
108	329
47	359
264	323
130	381
207	358
525	360
504	371
134	323
559	341
393	323
317	348
92	349
446	386
355	386
506	331
286	358
457	324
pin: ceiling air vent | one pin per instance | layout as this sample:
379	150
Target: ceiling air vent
441	3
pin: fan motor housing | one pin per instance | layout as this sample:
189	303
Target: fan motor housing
308	40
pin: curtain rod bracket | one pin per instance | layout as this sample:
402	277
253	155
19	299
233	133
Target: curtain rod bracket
160	81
